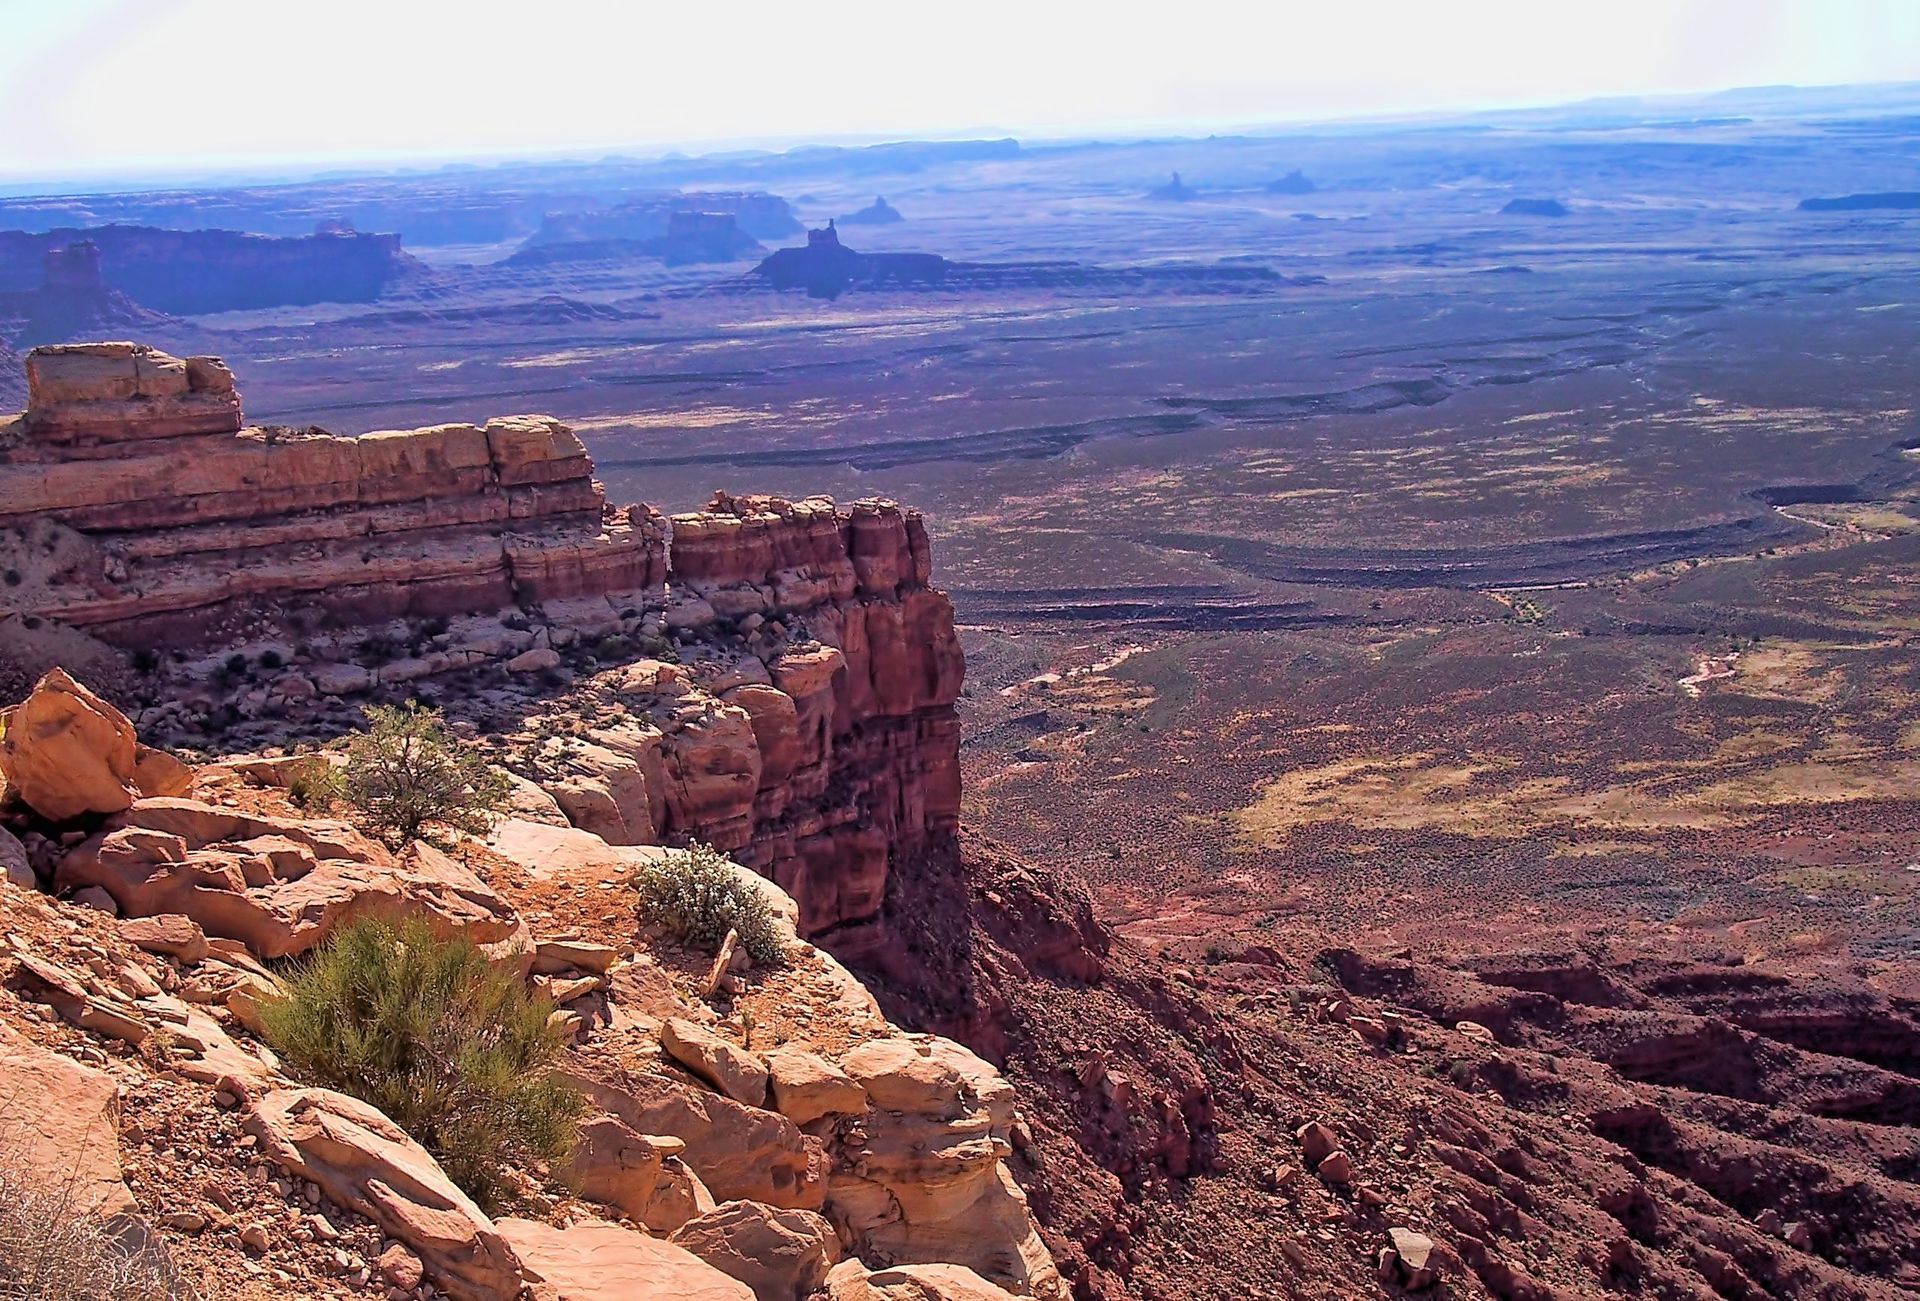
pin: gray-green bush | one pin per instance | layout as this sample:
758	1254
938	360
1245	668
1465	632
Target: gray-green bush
697	898
453	1049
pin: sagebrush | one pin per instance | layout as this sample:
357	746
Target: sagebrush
52	1249
406	775
454	1050
698	896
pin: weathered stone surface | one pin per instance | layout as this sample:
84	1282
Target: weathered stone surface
593	1260
174	934
726	1066
783	1255
278	885
851	1281
613	1164
807	1088
114	392
13	861
60	1122
366	1163
144	457
66	752
925	1180
740	1153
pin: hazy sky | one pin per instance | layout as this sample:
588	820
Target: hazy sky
93	86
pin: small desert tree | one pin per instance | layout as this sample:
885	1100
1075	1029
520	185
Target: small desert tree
454	1050
698	896
406	774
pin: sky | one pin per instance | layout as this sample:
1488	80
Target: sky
104	87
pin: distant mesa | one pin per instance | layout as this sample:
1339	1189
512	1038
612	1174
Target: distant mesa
1175	191
877	213
760	215
826	268
188	272
71	300
1294	182
1892	199
1534	208
691	238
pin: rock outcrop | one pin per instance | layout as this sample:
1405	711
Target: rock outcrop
134	506
894	1150
72	301
65	753
808	727
185	272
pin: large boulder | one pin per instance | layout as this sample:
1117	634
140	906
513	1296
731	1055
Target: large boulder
280	886
924	1179
593	1260
59	1122
739	1152
807	1088
726	1066
641	1174
365	1162
783	1255
851	1281
66	753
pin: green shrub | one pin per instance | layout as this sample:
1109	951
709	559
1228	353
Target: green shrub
406	773
454	1050
697	898
314	786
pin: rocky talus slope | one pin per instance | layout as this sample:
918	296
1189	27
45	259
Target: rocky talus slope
754	1132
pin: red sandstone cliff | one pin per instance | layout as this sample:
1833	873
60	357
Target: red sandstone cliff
774	678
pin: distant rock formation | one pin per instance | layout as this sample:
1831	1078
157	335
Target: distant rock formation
1175	191
186	272
1893	199
760	215
72	301
877	213
1294	182
1534	208
691	237
826	268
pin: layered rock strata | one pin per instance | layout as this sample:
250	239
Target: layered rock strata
775	678
134	505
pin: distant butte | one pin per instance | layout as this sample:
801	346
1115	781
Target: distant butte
1294	182
1534	208
877	213
72	300
1175	190
826	268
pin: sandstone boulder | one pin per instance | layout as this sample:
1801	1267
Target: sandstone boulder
726	1066
636	1173
365	1162
592	1260
924	1179
173	934
65	752
783	1255
13	861
851	1281
279	886
737	1151
59	1123
807	1088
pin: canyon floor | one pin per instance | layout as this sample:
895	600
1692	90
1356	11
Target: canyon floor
1492	617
